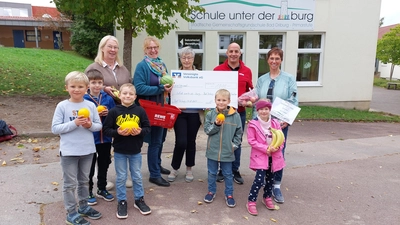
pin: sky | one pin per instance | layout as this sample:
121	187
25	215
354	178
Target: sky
390	9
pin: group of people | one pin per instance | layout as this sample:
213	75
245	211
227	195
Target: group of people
87	140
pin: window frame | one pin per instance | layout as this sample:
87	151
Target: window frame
197	51
223	51
265	51
31	33
319	51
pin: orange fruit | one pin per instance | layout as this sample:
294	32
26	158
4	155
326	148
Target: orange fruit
221	117
100	108
84	112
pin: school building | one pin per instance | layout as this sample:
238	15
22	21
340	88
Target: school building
329	45
26	26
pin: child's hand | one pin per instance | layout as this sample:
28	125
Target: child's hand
272	149
136	131
104	112
124	132
83	121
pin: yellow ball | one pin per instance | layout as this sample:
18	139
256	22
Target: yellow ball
221	117
84	112
100	108
129	125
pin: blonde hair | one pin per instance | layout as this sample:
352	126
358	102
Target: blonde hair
223	93
128	85
147	41
100	55
76	76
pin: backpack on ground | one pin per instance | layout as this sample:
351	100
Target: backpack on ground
7	132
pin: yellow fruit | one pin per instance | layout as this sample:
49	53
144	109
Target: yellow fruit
249	104
129	125
100	108
221	117
84	112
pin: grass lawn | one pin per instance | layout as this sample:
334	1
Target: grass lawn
40	72
30	71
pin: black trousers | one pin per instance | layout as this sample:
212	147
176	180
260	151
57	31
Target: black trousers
186	127
103	158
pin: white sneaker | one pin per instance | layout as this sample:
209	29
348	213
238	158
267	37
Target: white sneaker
128	183
189	176
109	186
172	176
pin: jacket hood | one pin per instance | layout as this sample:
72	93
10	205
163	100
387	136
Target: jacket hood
230	110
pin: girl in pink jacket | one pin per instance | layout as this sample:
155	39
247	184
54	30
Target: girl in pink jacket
264	159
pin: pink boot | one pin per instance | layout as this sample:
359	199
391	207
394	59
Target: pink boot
252	208
270	204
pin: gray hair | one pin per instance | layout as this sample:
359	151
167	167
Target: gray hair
187	50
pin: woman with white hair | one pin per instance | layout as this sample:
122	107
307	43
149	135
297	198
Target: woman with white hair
186	127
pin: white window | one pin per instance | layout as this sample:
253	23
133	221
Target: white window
266	42
224	41
30	35
309	56
195	41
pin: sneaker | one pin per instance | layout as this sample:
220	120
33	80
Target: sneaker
230	202
278	197
252	208
172	176
91	199
220	177
141	205
209	197
109	186
237	178
90	213
128	183
76	220
270	204
189	176
122	210
105	195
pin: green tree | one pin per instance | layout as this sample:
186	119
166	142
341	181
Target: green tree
156	17
388	49
86	35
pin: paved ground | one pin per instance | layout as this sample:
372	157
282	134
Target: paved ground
337	173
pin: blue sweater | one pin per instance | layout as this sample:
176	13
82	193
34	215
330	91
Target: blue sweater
107	101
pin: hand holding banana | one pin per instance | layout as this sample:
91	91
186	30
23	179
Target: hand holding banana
277	139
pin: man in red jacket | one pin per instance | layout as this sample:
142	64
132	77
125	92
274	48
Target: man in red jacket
233	63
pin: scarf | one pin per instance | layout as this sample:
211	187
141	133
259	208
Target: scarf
158	67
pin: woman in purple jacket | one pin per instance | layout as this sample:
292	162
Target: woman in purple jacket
264	159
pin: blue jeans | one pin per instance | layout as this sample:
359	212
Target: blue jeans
155	140
279	174
135	165
226	168
238	151
76	178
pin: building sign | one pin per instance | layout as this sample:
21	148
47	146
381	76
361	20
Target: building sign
254	15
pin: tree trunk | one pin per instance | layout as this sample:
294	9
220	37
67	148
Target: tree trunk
391	72
127	58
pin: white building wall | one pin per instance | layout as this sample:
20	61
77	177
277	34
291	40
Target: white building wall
384	70
349	30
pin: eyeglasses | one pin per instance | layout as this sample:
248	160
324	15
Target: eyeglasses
152	48
112	47
186	58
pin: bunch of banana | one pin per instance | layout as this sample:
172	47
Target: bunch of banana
277	138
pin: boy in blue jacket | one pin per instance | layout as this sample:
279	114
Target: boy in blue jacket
100	98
